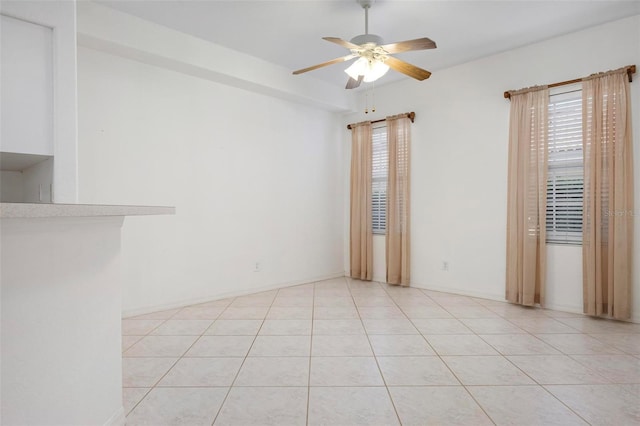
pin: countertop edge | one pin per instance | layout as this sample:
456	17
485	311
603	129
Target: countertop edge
35	210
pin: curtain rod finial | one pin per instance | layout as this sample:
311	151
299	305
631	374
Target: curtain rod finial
630	71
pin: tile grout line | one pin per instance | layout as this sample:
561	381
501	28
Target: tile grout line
366	333
564	404
224	400
511	362
155	385
138	403
172	365
440	357
313	306
397	304
191	346
447	365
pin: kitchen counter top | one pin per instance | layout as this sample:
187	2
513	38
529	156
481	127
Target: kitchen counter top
36	210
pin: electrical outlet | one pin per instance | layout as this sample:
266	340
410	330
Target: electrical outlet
257	267
445	265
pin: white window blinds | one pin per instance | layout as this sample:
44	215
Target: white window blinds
380	171
565	169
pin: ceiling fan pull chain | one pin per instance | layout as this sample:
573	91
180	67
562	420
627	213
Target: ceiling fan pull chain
366	102
373	96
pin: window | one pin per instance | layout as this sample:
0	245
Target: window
379	172
565	169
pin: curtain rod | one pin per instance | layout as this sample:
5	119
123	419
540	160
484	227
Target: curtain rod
631	69
410	115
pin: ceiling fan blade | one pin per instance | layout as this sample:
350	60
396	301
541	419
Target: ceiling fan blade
353	83
324	64
407	68
405	46
341	42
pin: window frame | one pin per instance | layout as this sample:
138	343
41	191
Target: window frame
565	170
379	178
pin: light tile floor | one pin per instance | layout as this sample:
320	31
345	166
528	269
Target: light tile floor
343	352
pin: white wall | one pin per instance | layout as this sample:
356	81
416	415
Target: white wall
30	185
380	264
254	179
112	31
36	182
10	186
459	160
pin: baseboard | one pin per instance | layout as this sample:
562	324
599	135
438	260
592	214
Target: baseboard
127	313
564	308
500	298
460	292
379	279
117	419
443	289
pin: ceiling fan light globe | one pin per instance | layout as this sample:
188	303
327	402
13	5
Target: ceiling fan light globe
376	69
358	68
370	69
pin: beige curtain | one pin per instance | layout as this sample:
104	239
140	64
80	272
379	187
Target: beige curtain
361	238
608	195
526	198
398	200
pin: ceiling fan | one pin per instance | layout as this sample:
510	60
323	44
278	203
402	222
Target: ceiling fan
374	57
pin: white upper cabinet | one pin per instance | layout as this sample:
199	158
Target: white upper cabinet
38	91
27	87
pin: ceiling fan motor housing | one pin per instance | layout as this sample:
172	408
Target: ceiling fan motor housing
363	39
365	3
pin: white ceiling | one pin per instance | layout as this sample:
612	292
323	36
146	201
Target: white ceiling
288	33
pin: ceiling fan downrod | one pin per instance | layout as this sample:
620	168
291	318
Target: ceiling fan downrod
366	17
366	38
366	4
